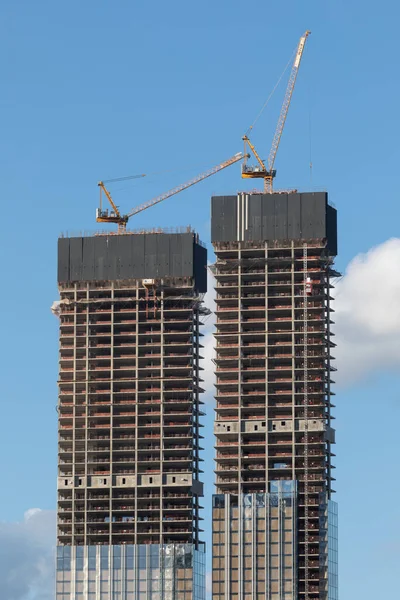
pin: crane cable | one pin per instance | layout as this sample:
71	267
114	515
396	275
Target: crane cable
124	178
272	93
129	177
310	130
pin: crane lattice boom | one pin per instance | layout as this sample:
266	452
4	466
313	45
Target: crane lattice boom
184	186
103	216
286	102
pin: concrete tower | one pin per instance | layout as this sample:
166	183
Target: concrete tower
274	523
129	417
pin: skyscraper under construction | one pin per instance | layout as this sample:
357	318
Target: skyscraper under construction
274	523
129	481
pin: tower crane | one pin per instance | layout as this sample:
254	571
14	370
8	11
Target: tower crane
263	171
114	215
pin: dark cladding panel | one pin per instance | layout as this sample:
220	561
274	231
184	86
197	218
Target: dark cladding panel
275	217
187	253
113	260
281	216
131	256
88	258
313	216
265	218
230	217
137	256
150	256
223	218
294	217
101	268
124	253
268	208
216	219
63	259
162	260
200	267
176	257
76	258
331	227
254	229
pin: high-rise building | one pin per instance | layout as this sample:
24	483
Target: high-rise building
129	480
274	523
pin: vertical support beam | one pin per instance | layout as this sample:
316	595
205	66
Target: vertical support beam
254	553
228	550
112	397
306	498
87	411
240	365
195	416
293	350
240	541
327	397
162	382
267	366
137	405
74	386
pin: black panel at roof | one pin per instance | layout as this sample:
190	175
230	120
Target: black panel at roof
63	259
131	256
274	217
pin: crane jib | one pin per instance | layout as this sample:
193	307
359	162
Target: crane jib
299	53
186	185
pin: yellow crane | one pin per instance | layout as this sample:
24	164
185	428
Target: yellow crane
261	170
114	215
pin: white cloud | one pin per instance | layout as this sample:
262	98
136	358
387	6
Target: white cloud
367	305
27	557
209	584
208	340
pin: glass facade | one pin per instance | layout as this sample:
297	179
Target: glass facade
128	572
333	584
329	587
255	544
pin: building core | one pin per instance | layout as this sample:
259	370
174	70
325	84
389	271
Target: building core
129	465
274	523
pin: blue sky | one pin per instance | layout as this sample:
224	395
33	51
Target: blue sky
94	90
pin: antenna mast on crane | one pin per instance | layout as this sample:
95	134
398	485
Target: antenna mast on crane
261	170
